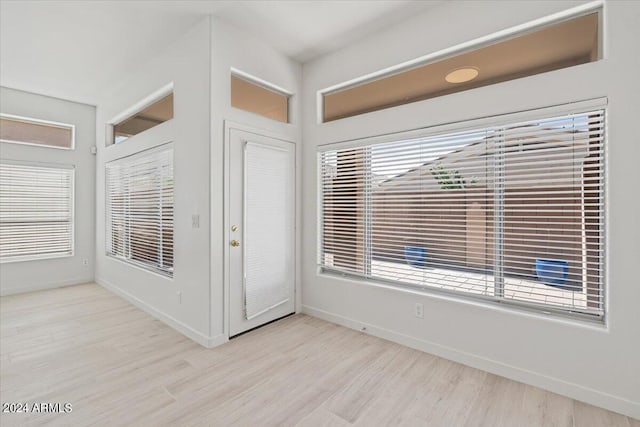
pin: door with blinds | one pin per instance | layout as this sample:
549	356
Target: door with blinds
261	229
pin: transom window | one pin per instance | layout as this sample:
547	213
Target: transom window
559	45
158	112
249	95
43	133
512	213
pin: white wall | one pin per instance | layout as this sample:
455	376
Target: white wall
235	48
185	63
199	64
597	364
24	276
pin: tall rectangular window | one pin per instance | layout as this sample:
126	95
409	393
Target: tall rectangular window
512	213
36	211
140	209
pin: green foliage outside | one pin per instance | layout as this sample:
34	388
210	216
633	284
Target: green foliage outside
450	179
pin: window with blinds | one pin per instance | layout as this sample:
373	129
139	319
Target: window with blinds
512	213
140	209
36	211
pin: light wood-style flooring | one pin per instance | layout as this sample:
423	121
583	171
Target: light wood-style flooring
118	366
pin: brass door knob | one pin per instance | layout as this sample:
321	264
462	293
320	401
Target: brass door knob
235	243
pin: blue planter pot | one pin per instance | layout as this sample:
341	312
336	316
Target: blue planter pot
552	271
416	256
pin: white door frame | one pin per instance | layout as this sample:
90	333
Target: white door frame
228	126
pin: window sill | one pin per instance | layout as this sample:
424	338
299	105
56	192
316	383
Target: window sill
593	322
142	266
10	260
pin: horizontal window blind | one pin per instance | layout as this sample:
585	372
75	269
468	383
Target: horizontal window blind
36	211
140	209
513	213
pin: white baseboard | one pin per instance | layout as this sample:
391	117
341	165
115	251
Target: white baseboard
217	340
200	338
572	390
14	290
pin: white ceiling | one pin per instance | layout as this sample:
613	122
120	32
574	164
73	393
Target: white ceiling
75	49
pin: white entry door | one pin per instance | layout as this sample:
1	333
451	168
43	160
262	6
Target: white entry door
261	234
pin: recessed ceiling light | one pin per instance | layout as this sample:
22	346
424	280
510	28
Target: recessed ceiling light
462	75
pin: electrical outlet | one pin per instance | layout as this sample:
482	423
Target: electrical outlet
195	221
85	261
419	310
179	297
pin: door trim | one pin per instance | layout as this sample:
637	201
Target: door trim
228	127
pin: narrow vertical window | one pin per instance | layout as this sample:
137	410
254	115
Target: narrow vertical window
140	209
